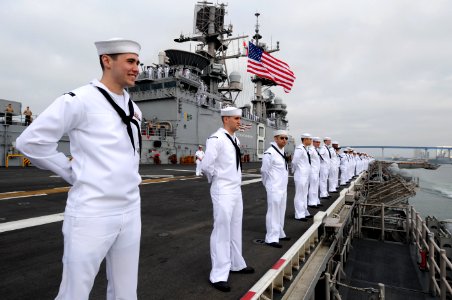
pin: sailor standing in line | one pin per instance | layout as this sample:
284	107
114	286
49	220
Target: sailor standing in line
199	156
275	175
350	165
343	167
301	166
355	164
333	181
314	178
325	165
102	216
222	166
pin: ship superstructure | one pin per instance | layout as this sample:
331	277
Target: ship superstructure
181	96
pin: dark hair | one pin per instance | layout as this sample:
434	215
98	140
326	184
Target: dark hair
113	56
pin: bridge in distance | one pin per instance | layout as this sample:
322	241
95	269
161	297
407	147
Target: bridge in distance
425	148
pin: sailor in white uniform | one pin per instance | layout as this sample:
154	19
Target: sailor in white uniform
199	156
344	160
337	148
334	170
355	164
102	215
166	71
314	178
222	166
350	164
301	166
275	175
325	165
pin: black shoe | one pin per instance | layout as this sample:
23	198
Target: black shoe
309	217
221	286
285	238
274	245
319	205
312	206
302	219
323	198
247	270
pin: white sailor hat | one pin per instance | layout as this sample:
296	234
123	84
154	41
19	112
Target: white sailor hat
117	45
306	136
335	142
200	146
280	132
231	111
327	138
316	139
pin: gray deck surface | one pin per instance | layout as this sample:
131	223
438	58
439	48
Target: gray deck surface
173	265
372	262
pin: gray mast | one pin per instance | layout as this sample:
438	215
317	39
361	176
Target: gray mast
259	102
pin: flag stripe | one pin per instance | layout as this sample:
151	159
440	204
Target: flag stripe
266	66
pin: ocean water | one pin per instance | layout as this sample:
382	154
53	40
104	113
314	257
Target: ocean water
434	197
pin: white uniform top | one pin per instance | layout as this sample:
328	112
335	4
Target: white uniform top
323	150
300	162
199	154
219	164
104	169
333	155
315	160
274	170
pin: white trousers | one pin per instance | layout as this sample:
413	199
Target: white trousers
301	197
313	196
344	175
198	167
276	212
87	241
324	172
333	178
226	238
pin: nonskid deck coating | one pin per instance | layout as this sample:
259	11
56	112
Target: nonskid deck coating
176	227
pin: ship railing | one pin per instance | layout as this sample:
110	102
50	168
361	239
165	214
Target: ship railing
438	264
292	265
156	130
157	74
416	231
382	220
16	120
251	117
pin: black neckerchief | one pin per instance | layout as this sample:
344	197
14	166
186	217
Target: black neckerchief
309	155
328	149
319	154
237	152
127	119
283	156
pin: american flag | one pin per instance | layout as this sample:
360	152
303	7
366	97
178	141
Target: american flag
266	66
244	127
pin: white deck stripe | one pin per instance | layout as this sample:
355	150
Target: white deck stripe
14	225
251	181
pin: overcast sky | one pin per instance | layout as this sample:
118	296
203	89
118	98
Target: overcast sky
368	72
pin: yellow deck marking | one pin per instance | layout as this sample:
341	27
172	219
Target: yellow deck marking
13	195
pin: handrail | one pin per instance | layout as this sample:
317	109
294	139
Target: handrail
438	263
298	253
